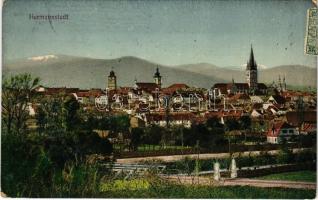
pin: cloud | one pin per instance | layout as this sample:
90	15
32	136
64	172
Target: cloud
43	58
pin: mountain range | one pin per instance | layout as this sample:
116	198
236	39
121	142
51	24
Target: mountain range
82	72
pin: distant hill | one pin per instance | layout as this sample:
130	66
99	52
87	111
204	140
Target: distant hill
296	75
70	71
212	70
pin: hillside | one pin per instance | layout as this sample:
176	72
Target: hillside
81	72
296	75
70	71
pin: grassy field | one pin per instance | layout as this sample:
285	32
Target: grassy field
309	176
180	191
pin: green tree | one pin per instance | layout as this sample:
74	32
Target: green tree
16	95
232	124
189	136
213	123
51	116
216	129
154	134
72	118
57	114
119	124
136	137
245	123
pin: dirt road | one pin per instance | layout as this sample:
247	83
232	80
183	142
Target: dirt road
270	183
188	180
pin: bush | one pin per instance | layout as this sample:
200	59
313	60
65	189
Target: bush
132	185
264	159
76	181
185	165
34	165
245	161
305	156
284	156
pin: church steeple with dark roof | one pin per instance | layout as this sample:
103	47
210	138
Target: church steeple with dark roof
157	77
251	72
112	80
251	64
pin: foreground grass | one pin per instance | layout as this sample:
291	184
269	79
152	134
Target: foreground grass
181	191
309	176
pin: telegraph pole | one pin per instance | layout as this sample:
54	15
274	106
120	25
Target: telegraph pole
197	161
300	115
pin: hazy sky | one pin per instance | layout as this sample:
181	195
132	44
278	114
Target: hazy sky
166	32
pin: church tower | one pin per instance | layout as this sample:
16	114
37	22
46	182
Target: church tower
157	77
112	82
251	72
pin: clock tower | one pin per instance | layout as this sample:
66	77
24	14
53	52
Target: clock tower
157	77
112	82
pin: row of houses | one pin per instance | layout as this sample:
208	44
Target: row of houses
148	103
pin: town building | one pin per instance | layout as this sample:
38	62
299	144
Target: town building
112	81
157	78
281	131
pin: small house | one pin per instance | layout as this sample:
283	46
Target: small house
280	131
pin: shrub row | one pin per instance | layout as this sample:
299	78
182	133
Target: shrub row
188	165
215	149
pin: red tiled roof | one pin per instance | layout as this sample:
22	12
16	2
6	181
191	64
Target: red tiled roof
309	127
174	87
238	96
226	86
225	114
178	86
123	90
89	93
51	91
151	86
82	94
275	129
221	86
168	91
293	117
295	93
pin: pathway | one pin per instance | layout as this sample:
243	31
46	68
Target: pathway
270	183
240	182
173	158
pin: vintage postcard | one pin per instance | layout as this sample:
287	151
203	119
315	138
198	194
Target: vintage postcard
159	99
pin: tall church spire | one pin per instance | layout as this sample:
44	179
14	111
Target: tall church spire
251	64
251	72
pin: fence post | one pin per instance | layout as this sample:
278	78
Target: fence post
216	170
233	169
